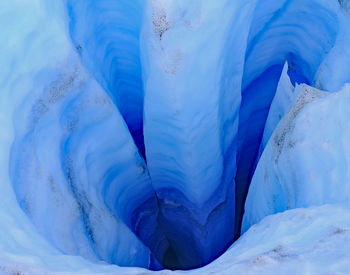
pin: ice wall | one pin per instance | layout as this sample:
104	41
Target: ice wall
106	36
303	33
191	120
132	129
71	160
72	146
189	127
306	160
331	75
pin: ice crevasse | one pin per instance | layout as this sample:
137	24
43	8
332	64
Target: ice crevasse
149	135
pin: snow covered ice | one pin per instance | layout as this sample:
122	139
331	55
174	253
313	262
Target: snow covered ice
194	136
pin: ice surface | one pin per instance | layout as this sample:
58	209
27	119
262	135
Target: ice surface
306	160
131	130
190	122
106	35
304	34
281	103
299	241
66	152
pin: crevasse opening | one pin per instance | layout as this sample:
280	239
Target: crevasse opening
133	197
301	34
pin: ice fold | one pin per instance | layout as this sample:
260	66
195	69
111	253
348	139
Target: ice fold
72	161
191	119
306	160
131	131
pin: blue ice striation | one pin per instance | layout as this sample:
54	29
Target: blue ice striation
198	135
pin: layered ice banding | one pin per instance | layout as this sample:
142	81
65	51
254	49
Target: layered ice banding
133	132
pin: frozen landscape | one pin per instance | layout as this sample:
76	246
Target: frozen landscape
175	137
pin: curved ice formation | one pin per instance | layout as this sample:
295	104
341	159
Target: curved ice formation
190	126
331	75
71	154
106	35
299	32
132	130
287	177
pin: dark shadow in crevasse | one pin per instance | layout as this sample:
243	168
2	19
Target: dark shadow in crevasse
256	102
170	259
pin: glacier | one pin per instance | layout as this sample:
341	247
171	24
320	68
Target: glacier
205	136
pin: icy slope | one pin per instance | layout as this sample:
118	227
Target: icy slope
65	151
309	35
307	159
298	241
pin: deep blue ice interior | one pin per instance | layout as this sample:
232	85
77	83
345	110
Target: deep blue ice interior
179	232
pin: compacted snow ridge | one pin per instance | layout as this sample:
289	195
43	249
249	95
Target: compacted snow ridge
164	136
